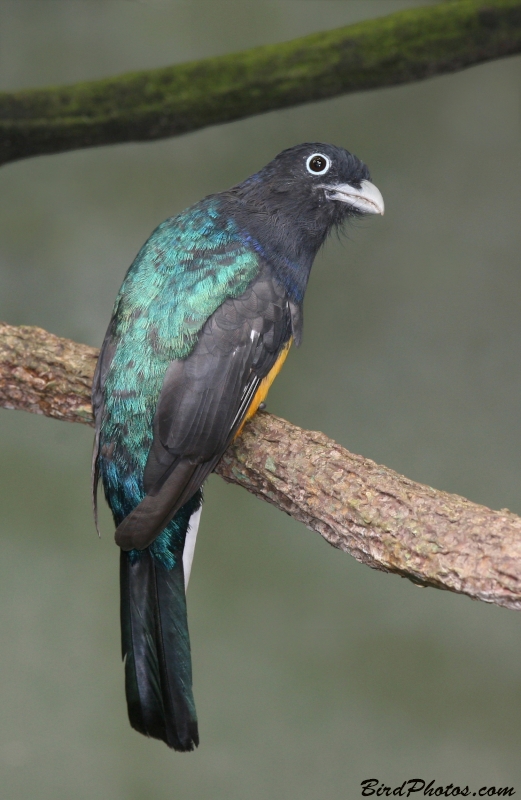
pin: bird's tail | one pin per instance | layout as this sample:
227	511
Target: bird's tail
156	647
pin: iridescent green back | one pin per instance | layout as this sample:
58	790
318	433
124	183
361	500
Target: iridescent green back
187	268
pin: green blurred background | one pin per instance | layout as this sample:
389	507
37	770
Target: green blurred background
312	672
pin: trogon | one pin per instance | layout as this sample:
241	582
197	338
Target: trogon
201	326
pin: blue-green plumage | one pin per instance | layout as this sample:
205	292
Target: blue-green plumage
212	300
187	268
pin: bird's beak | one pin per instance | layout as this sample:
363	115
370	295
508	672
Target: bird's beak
367	199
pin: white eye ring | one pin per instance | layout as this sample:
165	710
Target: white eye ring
322	171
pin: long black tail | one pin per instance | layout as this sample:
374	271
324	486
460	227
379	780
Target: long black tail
156	649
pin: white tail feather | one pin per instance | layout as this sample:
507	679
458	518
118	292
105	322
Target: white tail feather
191	536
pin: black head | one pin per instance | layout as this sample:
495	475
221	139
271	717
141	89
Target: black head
290	205
311	187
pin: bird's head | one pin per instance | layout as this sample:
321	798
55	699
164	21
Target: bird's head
288	208
311	187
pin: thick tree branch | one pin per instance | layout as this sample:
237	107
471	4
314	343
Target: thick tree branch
41	373
141	106
381	518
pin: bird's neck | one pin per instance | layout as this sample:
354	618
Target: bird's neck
286	242
290	267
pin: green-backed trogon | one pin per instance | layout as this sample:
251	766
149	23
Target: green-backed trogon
201	326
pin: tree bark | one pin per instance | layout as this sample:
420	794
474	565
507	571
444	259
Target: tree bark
41	373
406	46
381	518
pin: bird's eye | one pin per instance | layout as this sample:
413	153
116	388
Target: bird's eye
318	164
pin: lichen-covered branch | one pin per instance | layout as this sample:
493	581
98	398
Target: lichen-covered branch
381	518
402	47
42	373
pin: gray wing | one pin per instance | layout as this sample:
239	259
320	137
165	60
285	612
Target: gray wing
203	402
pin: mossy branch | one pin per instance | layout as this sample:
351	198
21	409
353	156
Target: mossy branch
153	104
381	518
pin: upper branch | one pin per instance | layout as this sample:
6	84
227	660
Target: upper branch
379	517
154	104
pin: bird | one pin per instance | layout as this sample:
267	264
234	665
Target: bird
201	326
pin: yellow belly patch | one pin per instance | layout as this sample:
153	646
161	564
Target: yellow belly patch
264	386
